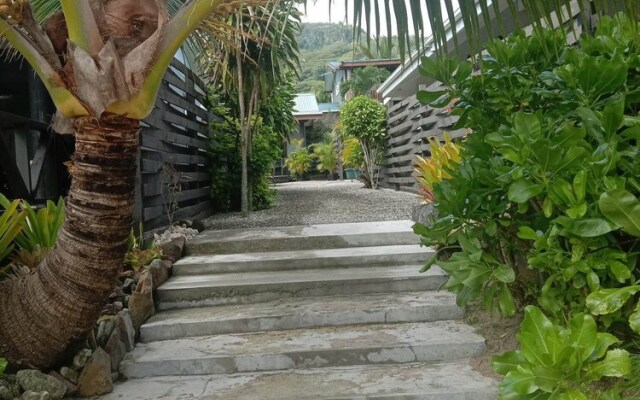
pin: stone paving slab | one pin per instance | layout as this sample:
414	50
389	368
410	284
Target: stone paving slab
302	259
254	287
442	381
325	236
305	348
296	313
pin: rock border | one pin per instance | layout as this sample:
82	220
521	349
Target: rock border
94	367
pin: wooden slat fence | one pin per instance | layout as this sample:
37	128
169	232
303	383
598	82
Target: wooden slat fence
174	143
410	124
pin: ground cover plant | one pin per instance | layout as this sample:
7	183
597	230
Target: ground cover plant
542	207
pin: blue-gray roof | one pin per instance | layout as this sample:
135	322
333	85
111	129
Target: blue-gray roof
329	107
305	104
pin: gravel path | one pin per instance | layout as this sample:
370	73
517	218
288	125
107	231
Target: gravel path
323	202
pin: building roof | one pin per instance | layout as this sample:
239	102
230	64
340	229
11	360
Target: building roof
329	107
337	65
306	107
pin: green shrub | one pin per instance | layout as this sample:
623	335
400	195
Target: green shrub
366	120
226	165
299	160
326	155
352	156
543	207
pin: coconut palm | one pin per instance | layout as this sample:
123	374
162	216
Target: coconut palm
102	62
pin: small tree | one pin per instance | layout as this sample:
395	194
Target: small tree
365	119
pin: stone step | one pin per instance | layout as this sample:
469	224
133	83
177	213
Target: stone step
302	259
298	313
326	236
256	287
442	381
305	348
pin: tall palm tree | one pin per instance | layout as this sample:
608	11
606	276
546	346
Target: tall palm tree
102	62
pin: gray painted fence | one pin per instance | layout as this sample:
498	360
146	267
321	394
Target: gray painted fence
410	124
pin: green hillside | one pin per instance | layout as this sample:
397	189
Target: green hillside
323	42
320	43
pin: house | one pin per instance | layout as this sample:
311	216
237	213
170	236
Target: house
342	71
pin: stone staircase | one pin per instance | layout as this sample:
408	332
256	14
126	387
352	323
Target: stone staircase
319	312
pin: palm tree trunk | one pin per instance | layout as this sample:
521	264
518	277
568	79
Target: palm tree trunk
42	313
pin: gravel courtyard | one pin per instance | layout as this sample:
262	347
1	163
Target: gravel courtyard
323	202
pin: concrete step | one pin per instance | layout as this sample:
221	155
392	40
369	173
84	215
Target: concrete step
310	237
298	313
302	259
443	381
305	348
256	287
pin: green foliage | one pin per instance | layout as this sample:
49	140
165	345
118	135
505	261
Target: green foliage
434	169
320	43
544	207
34	236
138	258
560	362
41	226
366	120
352	156
136	241
327	156
364	81
266	148
11	223
299	160
275	123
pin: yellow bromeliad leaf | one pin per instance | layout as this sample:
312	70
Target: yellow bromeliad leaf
432	170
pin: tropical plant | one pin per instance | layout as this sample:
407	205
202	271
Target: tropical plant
543	206
352	156
266	149
434	169
138	258
40	230
326	155
366	120
364	81
136	241
11	222
561	362
82	68
299	160
250	69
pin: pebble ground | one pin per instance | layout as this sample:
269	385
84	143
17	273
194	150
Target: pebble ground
323	202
